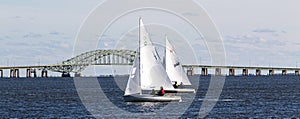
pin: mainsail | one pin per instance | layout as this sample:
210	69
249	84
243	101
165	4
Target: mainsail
173	65
147	73
133	84
152	72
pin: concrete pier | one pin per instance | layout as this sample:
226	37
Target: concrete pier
204	72
29	72
34	73
218	72
44	73
14	73
258	72
271	72
296	72
231	72
284	72
1	73
245	72
11	73
190	71
17	73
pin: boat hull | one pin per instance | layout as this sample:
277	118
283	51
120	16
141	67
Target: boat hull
180	90
150	98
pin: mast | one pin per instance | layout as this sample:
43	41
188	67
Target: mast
139	54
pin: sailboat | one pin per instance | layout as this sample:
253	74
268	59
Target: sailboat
175	70
147	73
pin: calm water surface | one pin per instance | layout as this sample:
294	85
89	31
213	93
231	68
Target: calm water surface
242	97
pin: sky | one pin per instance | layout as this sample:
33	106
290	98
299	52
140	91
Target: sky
254	32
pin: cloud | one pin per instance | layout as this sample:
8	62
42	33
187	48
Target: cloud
258	43
248	39
274	33
55	33
32	35
265	30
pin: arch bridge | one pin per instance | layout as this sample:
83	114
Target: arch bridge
96	57
125	57
78	63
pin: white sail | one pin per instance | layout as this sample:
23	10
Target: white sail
147	73
152	73
173	66
133	84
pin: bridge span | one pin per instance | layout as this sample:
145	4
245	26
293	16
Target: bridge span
244	69
125	57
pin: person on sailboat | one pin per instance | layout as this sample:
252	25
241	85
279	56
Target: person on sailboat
153	92
175	85
181	85
161	92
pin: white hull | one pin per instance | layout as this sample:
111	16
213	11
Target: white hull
150	98
180	90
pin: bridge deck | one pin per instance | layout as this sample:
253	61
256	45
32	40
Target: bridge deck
241	67
185	65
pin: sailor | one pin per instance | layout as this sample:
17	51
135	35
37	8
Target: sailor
161	92
175	85
153	92
181	85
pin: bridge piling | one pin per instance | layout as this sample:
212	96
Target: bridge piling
99	61
17	73
1	73
231	72
204	72
258	72
107	59
218	72
12	73
190	71
284	72
271	72
28	74
112	59
34	73
296	72
245	72
118	60
44	73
